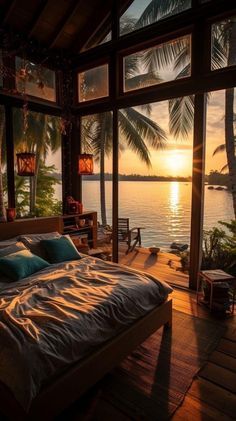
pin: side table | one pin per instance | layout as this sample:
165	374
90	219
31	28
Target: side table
214	278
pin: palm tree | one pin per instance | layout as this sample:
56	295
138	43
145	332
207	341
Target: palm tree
2	153
223	54
136	130
42	136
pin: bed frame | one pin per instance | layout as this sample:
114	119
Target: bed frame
69	386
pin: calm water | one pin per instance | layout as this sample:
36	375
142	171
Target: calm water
163	208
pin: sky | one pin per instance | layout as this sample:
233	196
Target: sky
176	159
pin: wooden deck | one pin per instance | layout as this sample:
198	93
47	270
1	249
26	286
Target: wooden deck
165	266
212	395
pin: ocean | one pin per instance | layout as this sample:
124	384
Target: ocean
163	209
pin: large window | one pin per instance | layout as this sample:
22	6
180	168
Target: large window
142	13
155	191
40	195
3	175
223	43
93	83
158	64
35	80
97	135
220	182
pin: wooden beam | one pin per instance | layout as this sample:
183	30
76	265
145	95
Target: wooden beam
37	17
8	11
10	157
63	22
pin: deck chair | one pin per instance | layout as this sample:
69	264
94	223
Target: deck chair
129	236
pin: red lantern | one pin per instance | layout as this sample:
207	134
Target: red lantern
26	164
85	164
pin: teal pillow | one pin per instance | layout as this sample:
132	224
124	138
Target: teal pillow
21	264
60	250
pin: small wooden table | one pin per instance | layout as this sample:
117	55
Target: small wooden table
213	278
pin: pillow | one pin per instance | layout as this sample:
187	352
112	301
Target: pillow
21	264
32	242
12	249
60	250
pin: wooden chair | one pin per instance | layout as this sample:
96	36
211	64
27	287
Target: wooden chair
129	236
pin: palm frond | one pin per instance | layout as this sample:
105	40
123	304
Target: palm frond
142	81
181	112
219	149
146	128
224	168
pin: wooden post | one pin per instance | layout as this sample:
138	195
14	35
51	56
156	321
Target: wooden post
197	187
10	157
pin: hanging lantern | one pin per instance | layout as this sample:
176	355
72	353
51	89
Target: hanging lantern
26	163
85	164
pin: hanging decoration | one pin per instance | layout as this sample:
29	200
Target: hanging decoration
85	164
26	164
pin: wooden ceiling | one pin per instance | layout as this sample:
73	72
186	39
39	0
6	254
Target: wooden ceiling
56	24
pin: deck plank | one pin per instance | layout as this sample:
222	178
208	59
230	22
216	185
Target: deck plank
220	376
223	360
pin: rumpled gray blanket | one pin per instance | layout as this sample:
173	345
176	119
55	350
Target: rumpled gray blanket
57	316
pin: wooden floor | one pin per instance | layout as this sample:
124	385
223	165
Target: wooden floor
165	266
212	395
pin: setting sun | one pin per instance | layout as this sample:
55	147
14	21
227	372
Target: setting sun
175	163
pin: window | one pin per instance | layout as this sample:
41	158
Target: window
36	80
3	174
40	195
223	38
142	13
96	137
220	194
158	64
93	83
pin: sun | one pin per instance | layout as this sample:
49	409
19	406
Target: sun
175	163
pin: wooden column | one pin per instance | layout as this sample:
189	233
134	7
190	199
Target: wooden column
114	89
10	157
197	187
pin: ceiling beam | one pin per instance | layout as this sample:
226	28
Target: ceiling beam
8	11
37	17
63	22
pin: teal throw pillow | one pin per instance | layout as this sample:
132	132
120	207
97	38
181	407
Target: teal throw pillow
21	264
60	250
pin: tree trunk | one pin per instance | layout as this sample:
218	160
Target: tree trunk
229	120
2	207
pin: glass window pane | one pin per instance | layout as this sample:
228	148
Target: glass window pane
93	83
96	136
40	195
223	38
142	13
155	191
97	40
159	64
35	80
3	167
220	187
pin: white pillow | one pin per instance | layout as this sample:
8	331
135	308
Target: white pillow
8	243
12	249
32	242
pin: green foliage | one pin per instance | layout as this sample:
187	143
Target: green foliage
46	204
219	248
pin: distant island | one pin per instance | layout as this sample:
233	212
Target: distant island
137	177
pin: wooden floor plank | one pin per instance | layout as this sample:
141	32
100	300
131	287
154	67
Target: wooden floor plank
215	396
220	376
223	360
228	347
194	410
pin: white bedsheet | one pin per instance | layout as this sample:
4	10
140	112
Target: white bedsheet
62	313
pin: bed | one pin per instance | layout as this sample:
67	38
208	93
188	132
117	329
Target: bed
66	326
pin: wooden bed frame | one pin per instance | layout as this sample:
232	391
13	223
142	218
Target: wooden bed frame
69	386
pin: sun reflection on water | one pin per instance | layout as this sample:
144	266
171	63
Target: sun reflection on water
174	196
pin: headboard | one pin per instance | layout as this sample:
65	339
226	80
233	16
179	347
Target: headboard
30	226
